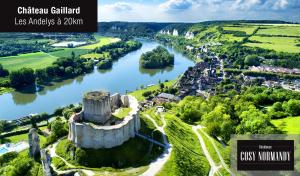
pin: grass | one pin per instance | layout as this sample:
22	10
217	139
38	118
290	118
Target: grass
30	60
42	60
291	125
231	38
91	56
245	28
23	137
138	94
187	157
152	113
280	30
280	44
133	153
100	42
122	112
59	163
210	148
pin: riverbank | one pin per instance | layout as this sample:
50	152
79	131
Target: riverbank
125	76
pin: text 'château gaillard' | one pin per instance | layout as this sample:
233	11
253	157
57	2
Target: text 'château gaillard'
46	11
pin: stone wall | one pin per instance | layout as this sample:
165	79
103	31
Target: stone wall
88	135
96	107
115	101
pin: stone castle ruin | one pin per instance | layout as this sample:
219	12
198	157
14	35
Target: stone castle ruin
96	127
34	143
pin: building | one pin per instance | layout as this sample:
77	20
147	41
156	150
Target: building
95	127
165	97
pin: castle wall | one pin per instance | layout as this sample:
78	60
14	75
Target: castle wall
88	135
115	101
98	111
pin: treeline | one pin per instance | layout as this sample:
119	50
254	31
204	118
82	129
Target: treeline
12	47
157	58
114	51
61	68
237	53
269	75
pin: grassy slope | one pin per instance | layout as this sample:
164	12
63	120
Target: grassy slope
281	44
138	94
23	137
248	29
100	42
281	30
32	60
290	124
186	157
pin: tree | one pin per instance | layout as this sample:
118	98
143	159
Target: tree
57	128
292	107
254	121
252	60
219	123
161	85
3	72
22	77
3	125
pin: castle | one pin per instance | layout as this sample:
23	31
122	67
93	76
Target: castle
95	127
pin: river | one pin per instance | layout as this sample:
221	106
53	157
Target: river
125	75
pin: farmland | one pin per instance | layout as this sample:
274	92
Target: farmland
41	59
246	28
280	44
280	30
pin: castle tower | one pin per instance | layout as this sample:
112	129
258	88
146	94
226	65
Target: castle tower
97	106
34	143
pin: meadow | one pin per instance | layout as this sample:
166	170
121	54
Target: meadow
290	125
30	60
42	60
243	28
280	44
280	30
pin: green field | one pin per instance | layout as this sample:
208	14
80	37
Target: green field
22	137
248	29
280	30
42	59
231	38
280	44
138	94
31	60
291	125
100	42
91	56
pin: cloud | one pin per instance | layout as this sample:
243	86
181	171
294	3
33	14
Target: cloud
265	4
176	5
120	6
198	10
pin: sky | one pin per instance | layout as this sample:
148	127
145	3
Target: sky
197	10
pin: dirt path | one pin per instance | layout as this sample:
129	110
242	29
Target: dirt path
157	165
214	169
53	154
217	150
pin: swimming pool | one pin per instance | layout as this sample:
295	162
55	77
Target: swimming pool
3	150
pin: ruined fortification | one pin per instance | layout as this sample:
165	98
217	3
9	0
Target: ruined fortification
95	127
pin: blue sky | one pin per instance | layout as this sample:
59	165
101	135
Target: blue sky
197	10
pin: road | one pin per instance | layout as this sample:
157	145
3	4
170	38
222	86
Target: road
157	165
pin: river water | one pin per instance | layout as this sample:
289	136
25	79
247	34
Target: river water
126	75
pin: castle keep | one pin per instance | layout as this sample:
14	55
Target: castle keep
95	127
